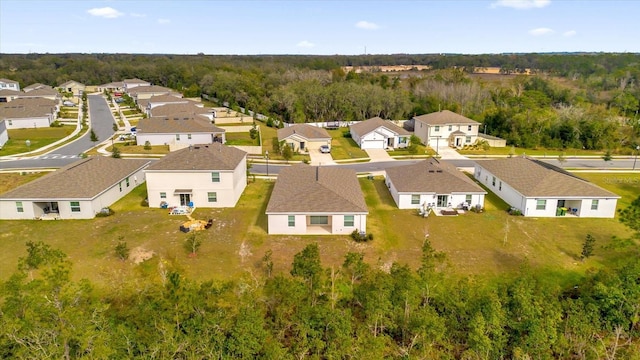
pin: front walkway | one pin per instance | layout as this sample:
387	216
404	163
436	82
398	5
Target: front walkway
378	155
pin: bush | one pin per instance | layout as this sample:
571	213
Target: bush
514	211
269	122
122	250
346	134
147	145
104	212
361	236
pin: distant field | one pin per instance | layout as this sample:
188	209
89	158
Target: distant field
485	244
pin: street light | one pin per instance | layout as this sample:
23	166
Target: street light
266	156
636	158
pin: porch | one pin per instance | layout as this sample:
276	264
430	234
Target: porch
47	210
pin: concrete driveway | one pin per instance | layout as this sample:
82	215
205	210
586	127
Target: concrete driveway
318	158
378	155
447	153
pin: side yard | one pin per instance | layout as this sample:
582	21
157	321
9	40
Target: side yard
37	137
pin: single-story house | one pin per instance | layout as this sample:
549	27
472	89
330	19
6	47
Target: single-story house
73	87
445	128
205	175
146	92
77	191
159	100
376	133
185	130
4	134
433	184
129	84
28	113
43	92
7	95
539	189
316	200
112	86
182	109
36	86
6	84
304	137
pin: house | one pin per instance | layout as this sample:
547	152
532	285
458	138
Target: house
377	133
28	113
445	128
159	100
6	84
181	109
73	87
4	134
184	130
7	95
304	137
79	190
112	86
36	86
212	175
316	200
128	84
537	188
433	184
45	92
146	92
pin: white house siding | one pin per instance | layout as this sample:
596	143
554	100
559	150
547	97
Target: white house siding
429	136
403	200
502	189
24	123
228	190
166	139
376	139
4	135
279	224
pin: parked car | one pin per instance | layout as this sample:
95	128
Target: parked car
119	100
325	149
68	103
133	129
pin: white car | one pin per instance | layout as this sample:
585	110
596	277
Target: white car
325	149
69	103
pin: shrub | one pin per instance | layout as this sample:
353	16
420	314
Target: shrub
147	145
105	212
346	134
269	122
514	211
122	250
361	236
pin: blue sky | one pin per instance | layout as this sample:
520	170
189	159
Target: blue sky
318	27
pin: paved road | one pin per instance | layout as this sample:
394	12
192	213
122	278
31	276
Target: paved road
102	124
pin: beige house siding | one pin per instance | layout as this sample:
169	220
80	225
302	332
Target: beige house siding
279	224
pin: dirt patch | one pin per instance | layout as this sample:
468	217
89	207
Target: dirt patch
140	254
244	252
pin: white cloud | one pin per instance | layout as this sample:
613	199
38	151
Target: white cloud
105	12
163	21
305	44
366	25
521	4
569	33
136	15
541	31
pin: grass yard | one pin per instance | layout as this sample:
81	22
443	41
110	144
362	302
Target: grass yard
131	112
38	137
241	138
139	149
343	148
484	244
421	151
516	151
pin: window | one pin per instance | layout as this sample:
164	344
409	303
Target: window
215	177
467	139
437	128
469	128
10	122
415	199
319	220
467	199
349	220
120	186
19	206
291	220
450	127
177	136
75	206
189	136
493	181
541	204
127	181
212	197
500	186
163	195
594	204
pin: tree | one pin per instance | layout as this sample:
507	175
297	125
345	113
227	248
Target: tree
287	153
115	152
115	127
94	137
192	244
267	260
607	156
122	250
254	133
306	264
587	247
275	145
630	216
147	145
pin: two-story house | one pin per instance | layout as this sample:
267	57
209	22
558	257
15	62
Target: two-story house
445	128
6	84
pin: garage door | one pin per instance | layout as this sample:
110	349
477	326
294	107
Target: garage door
373	144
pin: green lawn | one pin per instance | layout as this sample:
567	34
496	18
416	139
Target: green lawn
516	151
343	148
241	138
487	243
131	112
38	137
139	149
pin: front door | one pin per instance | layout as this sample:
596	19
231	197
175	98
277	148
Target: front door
301	145
442	201
458	142
54	207
185	199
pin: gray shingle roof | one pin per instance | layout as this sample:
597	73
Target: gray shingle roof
134	81
312	189
9	92
83	179
168	99
533	178
169	125
432	176
364	127
201	157
70	83
155	89
27	107
35	87
179	108
41	92
444	117
7	81
307	131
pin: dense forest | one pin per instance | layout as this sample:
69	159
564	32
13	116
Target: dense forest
353	311
588	101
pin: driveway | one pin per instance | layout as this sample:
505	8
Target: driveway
318	158
447	153
378	155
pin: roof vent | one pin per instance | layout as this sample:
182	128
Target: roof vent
431	171
439	171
